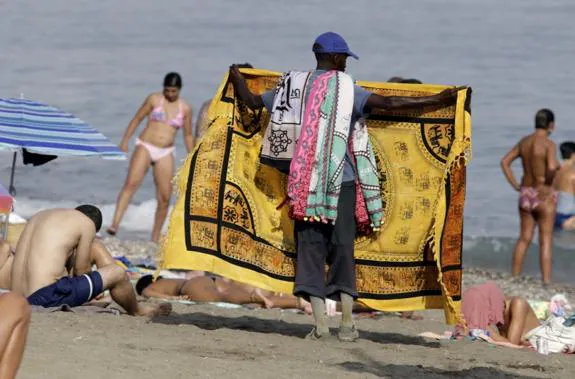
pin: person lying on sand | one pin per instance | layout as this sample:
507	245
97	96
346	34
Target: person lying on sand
215	289
14	324
53	263
6	260
487	311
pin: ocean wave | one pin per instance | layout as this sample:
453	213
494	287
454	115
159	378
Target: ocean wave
138	219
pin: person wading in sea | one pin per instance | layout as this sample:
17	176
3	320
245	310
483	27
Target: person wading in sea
537	197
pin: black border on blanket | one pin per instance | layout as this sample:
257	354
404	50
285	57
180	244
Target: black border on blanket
220	223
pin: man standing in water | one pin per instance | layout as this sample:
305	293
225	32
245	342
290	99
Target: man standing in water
565	187
536	194
318	242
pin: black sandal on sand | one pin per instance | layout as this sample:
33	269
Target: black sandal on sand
111	231
347	334
314	335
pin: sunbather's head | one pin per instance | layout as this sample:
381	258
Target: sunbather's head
93	213
144	282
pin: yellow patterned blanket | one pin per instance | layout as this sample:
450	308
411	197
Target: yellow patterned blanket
225	219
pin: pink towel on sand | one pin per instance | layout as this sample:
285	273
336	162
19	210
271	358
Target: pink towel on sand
483	305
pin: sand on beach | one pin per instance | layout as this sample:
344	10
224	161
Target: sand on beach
204	341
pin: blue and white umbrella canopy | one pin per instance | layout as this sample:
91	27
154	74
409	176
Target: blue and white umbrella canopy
41	129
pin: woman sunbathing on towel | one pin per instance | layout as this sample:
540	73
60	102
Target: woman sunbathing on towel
487	311
215	289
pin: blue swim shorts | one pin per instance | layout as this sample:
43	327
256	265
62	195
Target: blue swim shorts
72	291
560	218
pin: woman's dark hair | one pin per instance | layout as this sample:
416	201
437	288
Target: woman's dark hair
173	79
567	149
144	282
543	118
411	81
93	213
395	79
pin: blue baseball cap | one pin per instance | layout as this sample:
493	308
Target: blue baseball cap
332	43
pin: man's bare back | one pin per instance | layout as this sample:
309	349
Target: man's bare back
537	154
565	180
565	177
564	184
50	239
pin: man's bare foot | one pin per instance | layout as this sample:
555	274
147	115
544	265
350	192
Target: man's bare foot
177	298
258	296
162	309
304	306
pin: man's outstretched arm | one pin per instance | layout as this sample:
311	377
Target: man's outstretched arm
387	103
246	96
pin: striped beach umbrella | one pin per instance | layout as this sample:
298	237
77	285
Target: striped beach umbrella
47	132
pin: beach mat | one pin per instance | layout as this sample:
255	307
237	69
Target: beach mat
226	220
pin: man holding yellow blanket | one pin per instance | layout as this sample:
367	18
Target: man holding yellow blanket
316	134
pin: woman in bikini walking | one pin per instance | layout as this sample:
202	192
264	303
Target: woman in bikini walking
166	113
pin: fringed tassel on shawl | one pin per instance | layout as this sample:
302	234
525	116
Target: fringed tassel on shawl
179	183
460	154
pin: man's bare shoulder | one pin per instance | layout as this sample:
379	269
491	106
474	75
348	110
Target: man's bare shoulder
526	139
54	212
522	145
63	219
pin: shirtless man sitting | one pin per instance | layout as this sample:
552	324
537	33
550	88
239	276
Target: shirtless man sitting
52	263
537	197
215	289
565	186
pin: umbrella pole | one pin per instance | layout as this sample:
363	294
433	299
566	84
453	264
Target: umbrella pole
12	189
